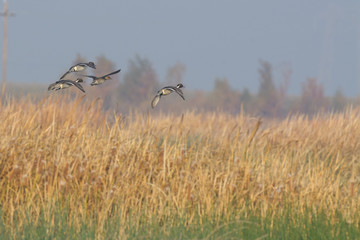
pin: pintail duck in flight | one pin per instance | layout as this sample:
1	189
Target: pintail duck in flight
166	91
100	80
78	68
62	84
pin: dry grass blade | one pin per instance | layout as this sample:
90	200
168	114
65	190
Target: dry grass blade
255	130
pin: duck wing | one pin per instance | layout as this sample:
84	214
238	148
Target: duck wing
52	86
65	74
90	76
155	101
76	84
112	73
178	91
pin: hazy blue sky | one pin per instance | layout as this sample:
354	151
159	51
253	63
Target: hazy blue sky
317	38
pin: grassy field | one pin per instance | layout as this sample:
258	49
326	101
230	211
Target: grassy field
70	170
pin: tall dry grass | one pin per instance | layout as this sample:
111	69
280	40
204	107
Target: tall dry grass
68	153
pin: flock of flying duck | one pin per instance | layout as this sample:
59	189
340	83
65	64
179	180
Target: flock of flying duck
65	83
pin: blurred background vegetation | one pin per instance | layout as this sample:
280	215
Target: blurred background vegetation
137	83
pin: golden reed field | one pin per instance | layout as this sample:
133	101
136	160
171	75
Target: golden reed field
67	153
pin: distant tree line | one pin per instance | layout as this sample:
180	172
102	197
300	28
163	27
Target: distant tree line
135	86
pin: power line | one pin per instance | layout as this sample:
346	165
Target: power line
5	13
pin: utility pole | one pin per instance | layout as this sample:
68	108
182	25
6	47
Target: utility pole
5	14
